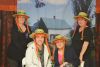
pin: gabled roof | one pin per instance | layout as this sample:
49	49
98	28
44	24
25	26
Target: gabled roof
56	23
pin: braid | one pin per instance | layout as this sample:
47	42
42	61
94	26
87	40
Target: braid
36	47
27	27
17	23
46	41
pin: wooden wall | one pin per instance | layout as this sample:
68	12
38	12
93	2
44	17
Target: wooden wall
8	5
7	9
97	33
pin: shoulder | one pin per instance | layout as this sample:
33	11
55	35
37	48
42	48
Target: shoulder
87	29
30	48
31	44
14	29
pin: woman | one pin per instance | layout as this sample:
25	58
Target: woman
19	39
64	54
82	38
38	52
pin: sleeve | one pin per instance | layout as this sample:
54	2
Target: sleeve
28	57
47	57
87	35
49	63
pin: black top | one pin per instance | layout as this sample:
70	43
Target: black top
69	56
19	41
77	43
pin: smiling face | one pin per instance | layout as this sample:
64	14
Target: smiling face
39	39
82	22
60	44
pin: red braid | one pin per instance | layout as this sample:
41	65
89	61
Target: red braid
27	26
46	41
36	47
17	23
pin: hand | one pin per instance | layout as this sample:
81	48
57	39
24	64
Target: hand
82	64
62	65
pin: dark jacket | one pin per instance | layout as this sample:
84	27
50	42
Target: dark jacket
69	56
19	41
77	44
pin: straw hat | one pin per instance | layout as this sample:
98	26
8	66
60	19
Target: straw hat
21	13
59	37
38	31
83	15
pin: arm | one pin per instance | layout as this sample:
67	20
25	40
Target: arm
49	63
84	48
87	36
29	57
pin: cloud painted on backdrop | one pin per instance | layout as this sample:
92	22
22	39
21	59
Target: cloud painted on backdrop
54	2
24	1
57	2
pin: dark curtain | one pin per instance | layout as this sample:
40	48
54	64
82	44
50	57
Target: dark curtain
98	39
6	23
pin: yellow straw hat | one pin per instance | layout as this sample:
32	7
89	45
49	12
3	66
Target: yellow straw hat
38	31
83	15
59	37
21	13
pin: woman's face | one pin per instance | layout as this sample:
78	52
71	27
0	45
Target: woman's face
82	22
21	19
39	39
60	44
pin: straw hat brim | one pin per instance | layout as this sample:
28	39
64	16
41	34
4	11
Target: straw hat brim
26	16
65	39
76	17
34	34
